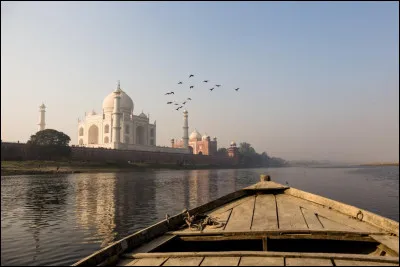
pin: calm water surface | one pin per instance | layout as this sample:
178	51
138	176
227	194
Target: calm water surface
57	220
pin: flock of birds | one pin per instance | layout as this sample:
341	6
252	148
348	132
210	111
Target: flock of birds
181	104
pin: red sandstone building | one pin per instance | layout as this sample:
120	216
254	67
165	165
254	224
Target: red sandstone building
201	145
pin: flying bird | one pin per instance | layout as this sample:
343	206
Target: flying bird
191	75
217	85
169	102
237	89
184	103
172	93
189	98
205	81
191	87
176	104
180	83
167	93
212	89
177	108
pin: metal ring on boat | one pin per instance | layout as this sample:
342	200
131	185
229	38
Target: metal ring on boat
360	215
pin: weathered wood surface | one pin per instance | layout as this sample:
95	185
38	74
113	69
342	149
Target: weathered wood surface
311	219
266	186
187	261
220	261
150	261
289	213
335	256
366	216
240	219
391	242
265	216
261	261
308	262
276	232
362	263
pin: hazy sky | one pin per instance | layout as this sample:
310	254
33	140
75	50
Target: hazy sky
318	80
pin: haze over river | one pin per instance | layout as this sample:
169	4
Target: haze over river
59	219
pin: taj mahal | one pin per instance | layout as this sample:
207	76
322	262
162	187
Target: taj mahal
118	128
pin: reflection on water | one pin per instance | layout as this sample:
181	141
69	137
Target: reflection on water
56	220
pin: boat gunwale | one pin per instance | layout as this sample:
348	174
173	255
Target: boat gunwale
335	256
371	218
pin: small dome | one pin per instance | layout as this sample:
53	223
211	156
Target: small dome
93	113
126	102
204	137
42	106
233	143
143	115
195	135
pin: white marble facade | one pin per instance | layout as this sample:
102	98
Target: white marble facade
135	131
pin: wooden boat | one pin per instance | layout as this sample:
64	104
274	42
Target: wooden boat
264	224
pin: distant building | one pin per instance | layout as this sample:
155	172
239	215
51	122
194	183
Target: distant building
233	150
202	145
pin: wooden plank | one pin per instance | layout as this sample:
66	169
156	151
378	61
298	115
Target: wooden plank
221	254
288	232
289	214
147	247
241	216
270	185
311	219
335	216
150	262
261	261
220	261
264	213
308	262
362	263
126	262
369	217
187	261
329	224
230	206
392	242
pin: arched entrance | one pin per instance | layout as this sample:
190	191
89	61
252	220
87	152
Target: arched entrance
200	153
140	135
81	131
93	134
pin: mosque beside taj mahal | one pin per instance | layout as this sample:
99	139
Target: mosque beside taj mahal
116	127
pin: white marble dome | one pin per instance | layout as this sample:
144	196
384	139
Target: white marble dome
126	103
233	143
195	135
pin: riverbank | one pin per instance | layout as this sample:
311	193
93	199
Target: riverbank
66	167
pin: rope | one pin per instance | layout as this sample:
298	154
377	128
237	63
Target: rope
200	221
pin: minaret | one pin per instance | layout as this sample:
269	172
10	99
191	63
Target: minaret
185	130
116	134
42	122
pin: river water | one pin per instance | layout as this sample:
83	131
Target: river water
59	219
